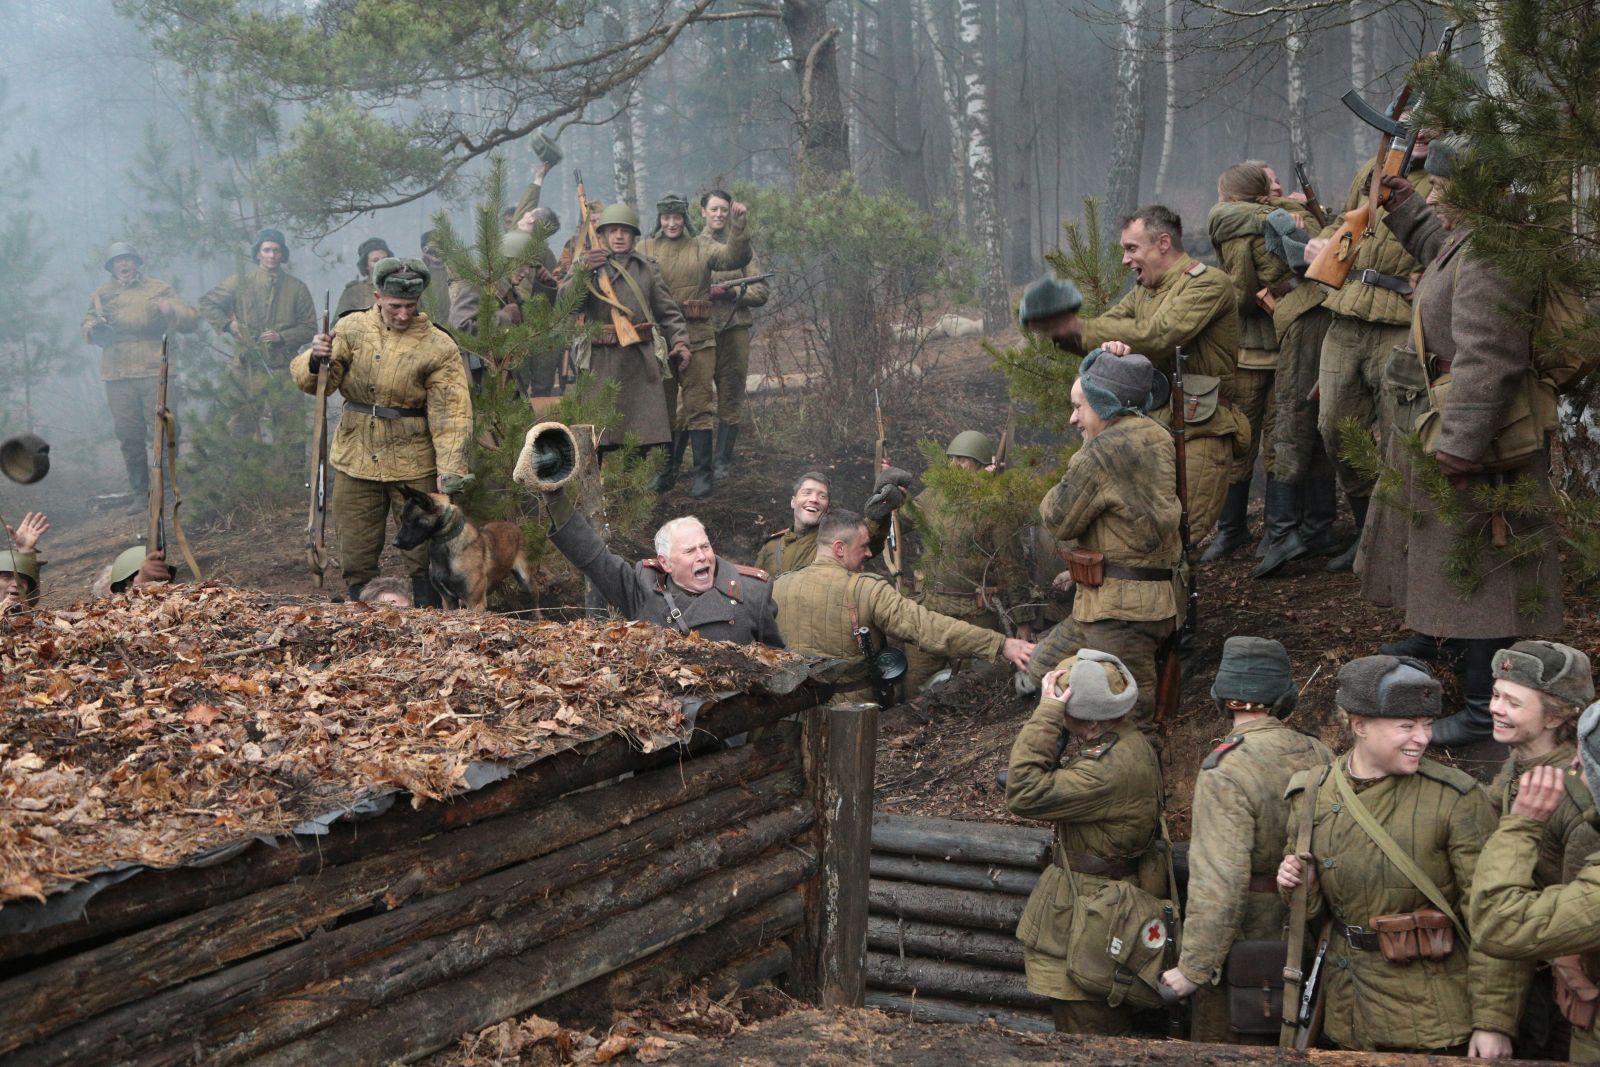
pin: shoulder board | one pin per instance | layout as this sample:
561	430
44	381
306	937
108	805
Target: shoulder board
653	564
1100	747
1577	792
1195	271
1301	779
775	536
1225	746
1459	780
752	572
441	327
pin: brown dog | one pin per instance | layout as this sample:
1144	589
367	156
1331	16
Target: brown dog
464	561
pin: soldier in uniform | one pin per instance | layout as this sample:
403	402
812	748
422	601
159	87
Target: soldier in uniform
822	606
406	421
1371	313
646	301
1517	916
730	319
1176	301
687	265
127	318
1435	818
19	566
1238	829
357	295
794	548
1105	801
530	279
1475	326
1119	500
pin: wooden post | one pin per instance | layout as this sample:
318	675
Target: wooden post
841	755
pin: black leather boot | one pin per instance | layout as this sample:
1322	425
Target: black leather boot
1282	524
1345	561
423	594
1445	651
727	435
1472	723
1233	529
669	474
702	442
1319	507
355	590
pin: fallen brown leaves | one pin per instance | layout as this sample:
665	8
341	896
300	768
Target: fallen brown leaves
155	726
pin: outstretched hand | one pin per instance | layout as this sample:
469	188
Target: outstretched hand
25	534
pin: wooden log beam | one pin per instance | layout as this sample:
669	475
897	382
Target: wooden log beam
841	744
954	907
516	928
412	1027
954	943
213	1004
49	998
155	896
968	842
936	1010
991	876
958	981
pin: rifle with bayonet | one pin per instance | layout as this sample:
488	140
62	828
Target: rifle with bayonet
1303	175
600	284
1169	684
1395	149
317	514
155	537
880	461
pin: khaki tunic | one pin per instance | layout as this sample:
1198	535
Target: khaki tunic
258	301
357	296
641	402
1105	800
1462	301
1235	229
1440	818
686	265
1381	252
814	615
418	367
734	314
788	550
139	325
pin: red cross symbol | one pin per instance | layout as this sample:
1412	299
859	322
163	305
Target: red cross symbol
1155	933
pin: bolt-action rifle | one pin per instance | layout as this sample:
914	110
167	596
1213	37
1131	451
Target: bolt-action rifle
880	460
317	514
1303	175
600	286
1169	685
1395	149
165	461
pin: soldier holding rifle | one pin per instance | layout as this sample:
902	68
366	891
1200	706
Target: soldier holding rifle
733	294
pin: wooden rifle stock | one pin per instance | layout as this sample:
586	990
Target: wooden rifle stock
589	237
317	513
1169	684
1313	204
1338	257
880	460
1002	451
155	537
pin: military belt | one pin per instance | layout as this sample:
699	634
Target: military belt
1139	574
1391	282
1357	937
381	412
1285	287
1089	863
1263	883
608	336
696	310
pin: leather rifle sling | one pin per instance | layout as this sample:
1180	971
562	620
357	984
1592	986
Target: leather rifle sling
1294	962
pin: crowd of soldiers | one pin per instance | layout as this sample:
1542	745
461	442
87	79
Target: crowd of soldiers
1436	897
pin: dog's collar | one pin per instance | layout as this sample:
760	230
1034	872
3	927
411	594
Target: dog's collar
456	523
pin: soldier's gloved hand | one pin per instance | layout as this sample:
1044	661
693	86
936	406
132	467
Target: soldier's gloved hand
1457	469
451	484
1400	190
888	493
720	292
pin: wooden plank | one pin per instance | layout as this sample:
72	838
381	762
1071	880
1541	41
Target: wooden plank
957	981
969	842
937	1010
157	896
955	907
903	937
991	876
49	998
412	1027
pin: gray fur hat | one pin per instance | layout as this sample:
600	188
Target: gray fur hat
1285	239
403	278
1121	385
1559	670
266	234
1589	746
1047	297
1442	153
1388	687
1094	678
1256	669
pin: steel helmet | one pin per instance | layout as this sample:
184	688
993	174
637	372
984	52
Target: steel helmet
619	215
973	445
119	249
127	564
23	564
515	244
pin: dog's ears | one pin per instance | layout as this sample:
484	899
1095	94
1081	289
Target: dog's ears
417	497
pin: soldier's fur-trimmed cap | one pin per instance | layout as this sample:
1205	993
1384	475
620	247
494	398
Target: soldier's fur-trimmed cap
1589	746
269	234
1102	687
1388	687
369	246
1047	297
402	278
1255	669
1119	385
1442	153
1560	670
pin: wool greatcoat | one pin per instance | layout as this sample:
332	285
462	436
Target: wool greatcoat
641	401
1468	314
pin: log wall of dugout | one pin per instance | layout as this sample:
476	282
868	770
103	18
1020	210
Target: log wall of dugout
588	879
943	904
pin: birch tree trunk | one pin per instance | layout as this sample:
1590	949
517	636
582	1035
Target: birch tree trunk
1169	111
1127	130
626	132
1021	137
977	49
1294	46
928	13
1361	74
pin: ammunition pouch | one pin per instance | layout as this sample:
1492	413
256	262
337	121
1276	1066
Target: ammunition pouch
697	310
1577	998
608	336
1202	394
1525	427
1253	977
1424	934
1086	566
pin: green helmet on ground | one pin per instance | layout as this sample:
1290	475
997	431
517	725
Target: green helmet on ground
119	249
619	215
127	564
23	564
972	445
